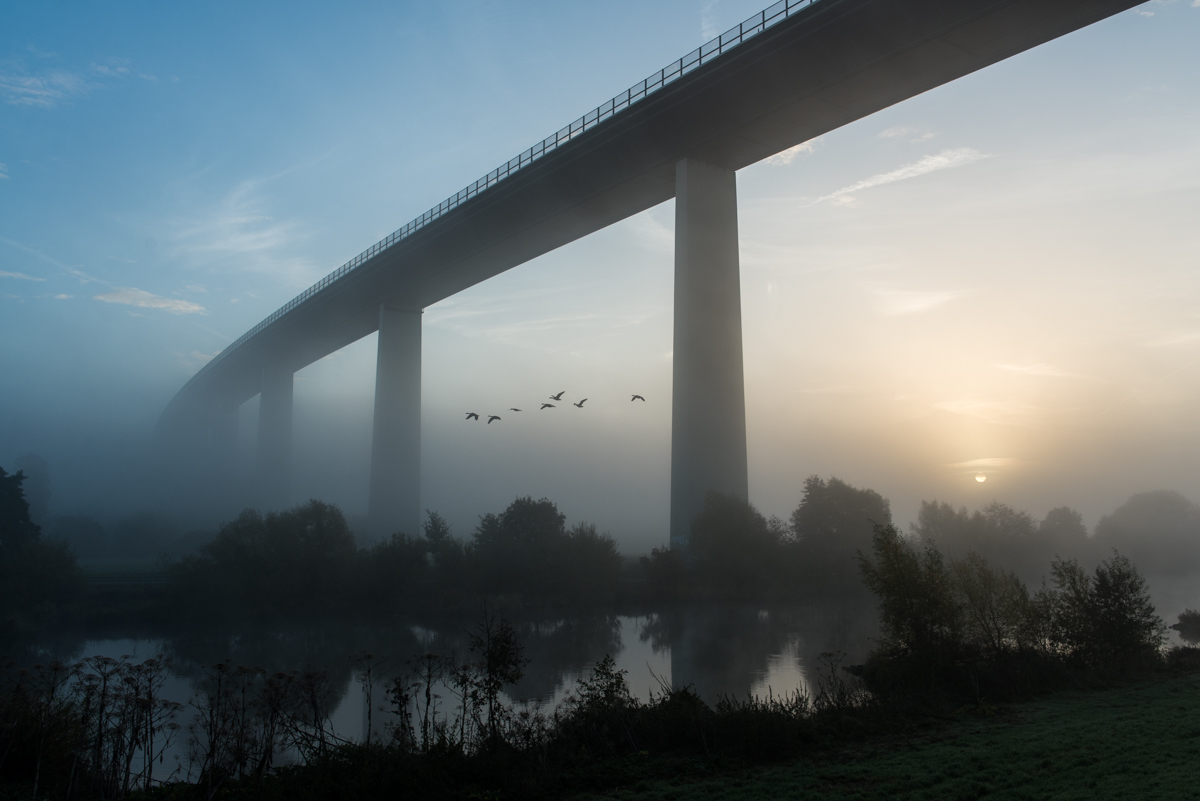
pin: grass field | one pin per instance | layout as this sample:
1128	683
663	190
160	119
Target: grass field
1140	741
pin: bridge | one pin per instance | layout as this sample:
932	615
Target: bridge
792	72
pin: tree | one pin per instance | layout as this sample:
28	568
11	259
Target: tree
735	550
528	549
33	573
293	560
833	522
1158	530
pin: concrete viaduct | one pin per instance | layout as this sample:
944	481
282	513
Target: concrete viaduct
794	71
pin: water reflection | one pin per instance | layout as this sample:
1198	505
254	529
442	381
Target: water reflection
717	649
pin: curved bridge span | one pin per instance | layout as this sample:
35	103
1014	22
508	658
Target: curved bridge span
796	70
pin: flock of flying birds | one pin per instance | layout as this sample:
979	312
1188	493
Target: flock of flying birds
558	397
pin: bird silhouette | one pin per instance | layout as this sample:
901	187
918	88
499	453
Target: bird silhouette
580	404
637	397
472	416
513	409
557	397
492	417
547	406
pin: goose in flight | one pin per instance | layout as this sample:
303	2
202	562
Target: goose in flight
580	404
472	416
547	406
492	417
557	397
513	409
637	397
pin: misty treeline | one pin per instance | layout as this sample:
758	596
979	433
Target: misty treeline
305	560
961	627
35	574
735	552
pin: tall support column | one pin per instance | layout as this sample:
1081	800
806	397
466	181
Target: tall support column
275	438
708	409
225	434
394	503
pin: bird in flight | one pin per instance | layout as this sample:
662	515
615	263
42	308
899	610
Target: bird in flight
637	397
492	417
513	409
580	404
557	397
472	416
547	406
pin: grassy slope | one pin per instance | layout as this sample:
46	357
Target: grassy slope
1141	741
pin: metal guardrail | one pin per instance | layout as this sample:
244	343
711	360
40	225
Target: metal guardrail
733	37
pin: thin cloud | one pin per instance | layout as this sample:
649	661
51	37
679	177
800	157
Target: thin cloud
22	276
990	462
45	90
1042	370
900	302
240	229
788	156
63	297
892	133
3	171
945	160
129	296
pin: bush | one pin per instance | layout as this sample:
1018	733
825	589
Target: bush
965	629
1105	622
1188	626
296	560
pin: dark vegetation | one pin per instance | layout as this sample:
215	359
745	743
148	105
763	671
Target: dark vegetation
957	633
35	575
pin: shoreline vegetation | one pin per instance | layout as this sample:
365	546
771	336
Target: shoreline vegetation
962	637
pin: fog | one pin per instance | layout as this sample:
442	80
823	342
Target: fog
995	277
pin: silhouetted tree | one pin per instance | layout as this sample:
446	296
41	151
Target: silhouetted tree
833	522
293	560
527	549
1010	538
37	486
33	573
735	550
1160	531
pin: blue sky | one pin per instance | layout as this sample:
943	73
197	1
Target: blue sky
1000	275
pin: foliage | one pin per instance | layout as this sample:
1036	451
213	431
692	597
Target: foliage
1188	626
833	522
35	575
528	549
965	629
295	560
1004	536
98	727
733	547
1160	531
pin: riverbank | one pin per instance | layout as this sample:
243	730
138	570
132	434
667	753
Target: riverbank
1140	740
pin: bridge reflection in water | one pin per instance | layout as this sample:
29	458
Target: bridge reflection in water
731	649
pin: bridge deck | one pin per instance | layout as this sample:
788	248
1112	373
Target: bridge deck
816	69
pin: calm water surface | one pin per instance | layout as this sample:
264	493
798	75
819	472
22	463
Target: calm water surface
716	649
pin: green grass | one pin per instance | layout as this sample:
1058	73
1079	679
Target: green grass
1140	741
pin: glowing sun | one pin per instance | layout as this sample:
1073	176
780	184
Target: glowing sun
981	478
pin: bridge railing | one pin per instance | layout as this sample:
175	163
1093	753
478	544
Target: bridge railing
733	37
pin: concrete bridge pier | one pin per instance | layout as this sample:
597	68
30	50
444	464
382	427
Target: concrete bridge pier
275	439
708	408
394	503
225	435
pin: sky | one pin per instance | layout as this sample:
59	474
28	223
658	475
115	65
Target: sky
999	277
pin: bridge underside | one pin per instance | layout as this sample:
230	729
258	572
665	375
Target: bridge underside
833	63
